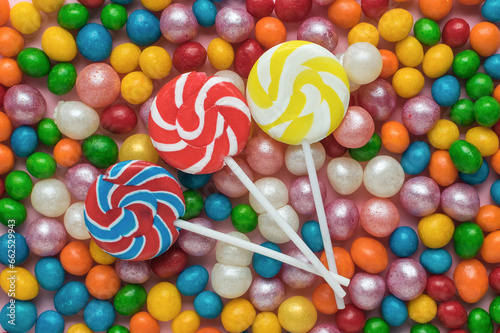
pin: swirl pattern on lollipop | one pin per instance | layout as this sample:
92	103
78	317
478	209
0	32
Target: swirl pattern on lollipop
196	121
298	91
130	210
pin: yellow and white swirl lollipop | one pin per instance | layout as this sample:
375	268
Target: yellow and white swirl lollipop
298	93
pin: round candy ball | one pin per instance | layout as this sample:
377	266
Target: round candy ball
383	176
228	183
460	202
311	234
320	31
61	79
265	155
205	12
23	309
244	218
143	27
72	16
208	304
118	119
420	196
233	255
12	212
265	266
189	57
113	16
420	114
94	42
18	185
24	104
294	277
345	175
406	279
74	221
218	207
416	158
192	280
76	120
301	195
296	163
135	272
466	63
492	66
356	128
33	62
41	165
234	24
271	231
267	294
100	150
99	315
49	273
378	98
427	31
7	241
193	182
342	216
71	298
197	245
456	32
130	299
178	23
446	90
297	314
49	321
79	178
403	242
170	263
194	204
136	87
138	147
362	62
436	261
46	237
465	156
50	197
292	11
379	217
366	291
230	281
98	85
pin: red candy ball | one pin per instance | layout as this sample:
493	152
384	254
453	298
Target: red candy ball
494	279
350	319
2	94
189	57
2	187
245	57
260	8
170	263
440	288
374	8
456	32
452	314
292	10
91	3
118	119
332	147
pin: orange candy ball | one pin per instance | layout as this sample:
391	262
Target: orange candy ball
67	152
11	42
485	38
369	254
496	93
488	218
495	161
10	73
5	127
395	137
490	251
102	282
270	31
441	168
6	159
344	13
4	11
143	322
435	9
471	279
390	63
343	260
76	259
323	299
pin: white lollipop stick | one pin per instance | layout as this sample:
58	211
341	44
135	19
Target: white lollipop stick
287	229
200	230
320	211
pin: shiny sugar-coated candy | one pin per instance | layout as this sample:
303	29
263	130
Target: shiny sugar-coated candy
440	287
208	305
193	181
99	315
94	42
403	242
73	16
118	329
468	273
495	309
245	57
49	273
100	150
427	31
205	12
436	261
462	112
477	177
23	309
22	249
24	141
189	56
491	10
487	111
416	158
164	301
456	32
118	119
446	90
238	315
18	184
218	207
495	192
479	85
194	204
143	27
465	156
41	165
492	66
297	314
49	321
424	328
452	314
71	298
368	151
466	63
467	240
25	284
33	62
394	311
494	279
192	280
311	234
59	44
265	266
136	272
113	16
260	8
374	8
221	55
244	218
61	79
376	325
170	263
479	321
11	209
196	245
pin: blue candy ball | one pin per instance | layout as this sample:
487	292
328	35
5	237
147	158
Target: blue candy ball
492	65
49	322
71	298
436	261
495	192
122	2
311	234
94	42
192	280
18	316
19	250
208	304
416	158
49	273
491	10
403	242
99	315
193	182
24	141
143	28
477	177
394	310
265	266
446	90
205	12
218	207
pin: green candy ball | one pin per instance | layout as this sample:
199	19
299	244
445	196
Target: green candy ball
466	63
487	111
424	328
12	212
462	112
427	31
72	16
479	85
130	299
465	156
495	309
479	321
62	78
114	16
33	62
100	150
48	132
376	325
467	240
118	329
244	218
18	185
194	204
41	165
368	151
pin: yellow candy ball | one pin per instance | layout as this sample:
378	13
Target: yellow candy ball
297	314
155	62
422	309
436	230
484	139
164	301
363	32
437	61
25	18
99	255
156	5
186	322
220	53
125	58
79	328
138	147
48	6
23	287
408	82
410	52
59	44
266	322
238	315
395	24
136	87
443	134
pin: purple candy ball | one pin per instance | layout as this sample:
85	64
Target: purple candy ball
460	202
294	277
24	104
366	291
136	272
325	328
301	196
420	114
46	237
194	244
406	279
266	294
320	31
233	24
378	98
145	110
178	23
342	216
79	178
420	196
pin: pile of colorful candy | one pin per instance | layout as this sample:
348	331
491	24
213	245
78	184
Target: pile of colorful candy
89	210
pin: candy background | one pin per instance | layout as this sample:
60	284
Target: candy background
44	300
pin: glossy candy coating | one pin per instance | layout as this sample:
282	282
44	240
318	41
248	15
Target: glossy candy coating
24	104
100	150
94	42
72	16
33	62
178	24
143	27
406	279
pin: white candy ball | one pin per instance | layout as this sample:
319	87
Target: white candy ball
232	255
362	63
270	229
345	175
274	190
234	78
352	86
230	281
74	222
76	120
50	197
383	176
296	163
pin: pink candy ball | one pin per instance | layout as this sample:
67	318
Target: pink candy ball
460	202
366	291
228	183
46	237
420	114
79	178
145	110
98	85
194	244
296	278
342	216
24	104
135	272
356	128
325	328
378	98
178	23
265	155
406	279
320	31
379	217
301	196
420	196
233	24
266	294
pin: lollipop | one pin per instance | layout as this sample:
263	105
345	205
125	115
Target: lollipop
197	123
132	213
298	93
